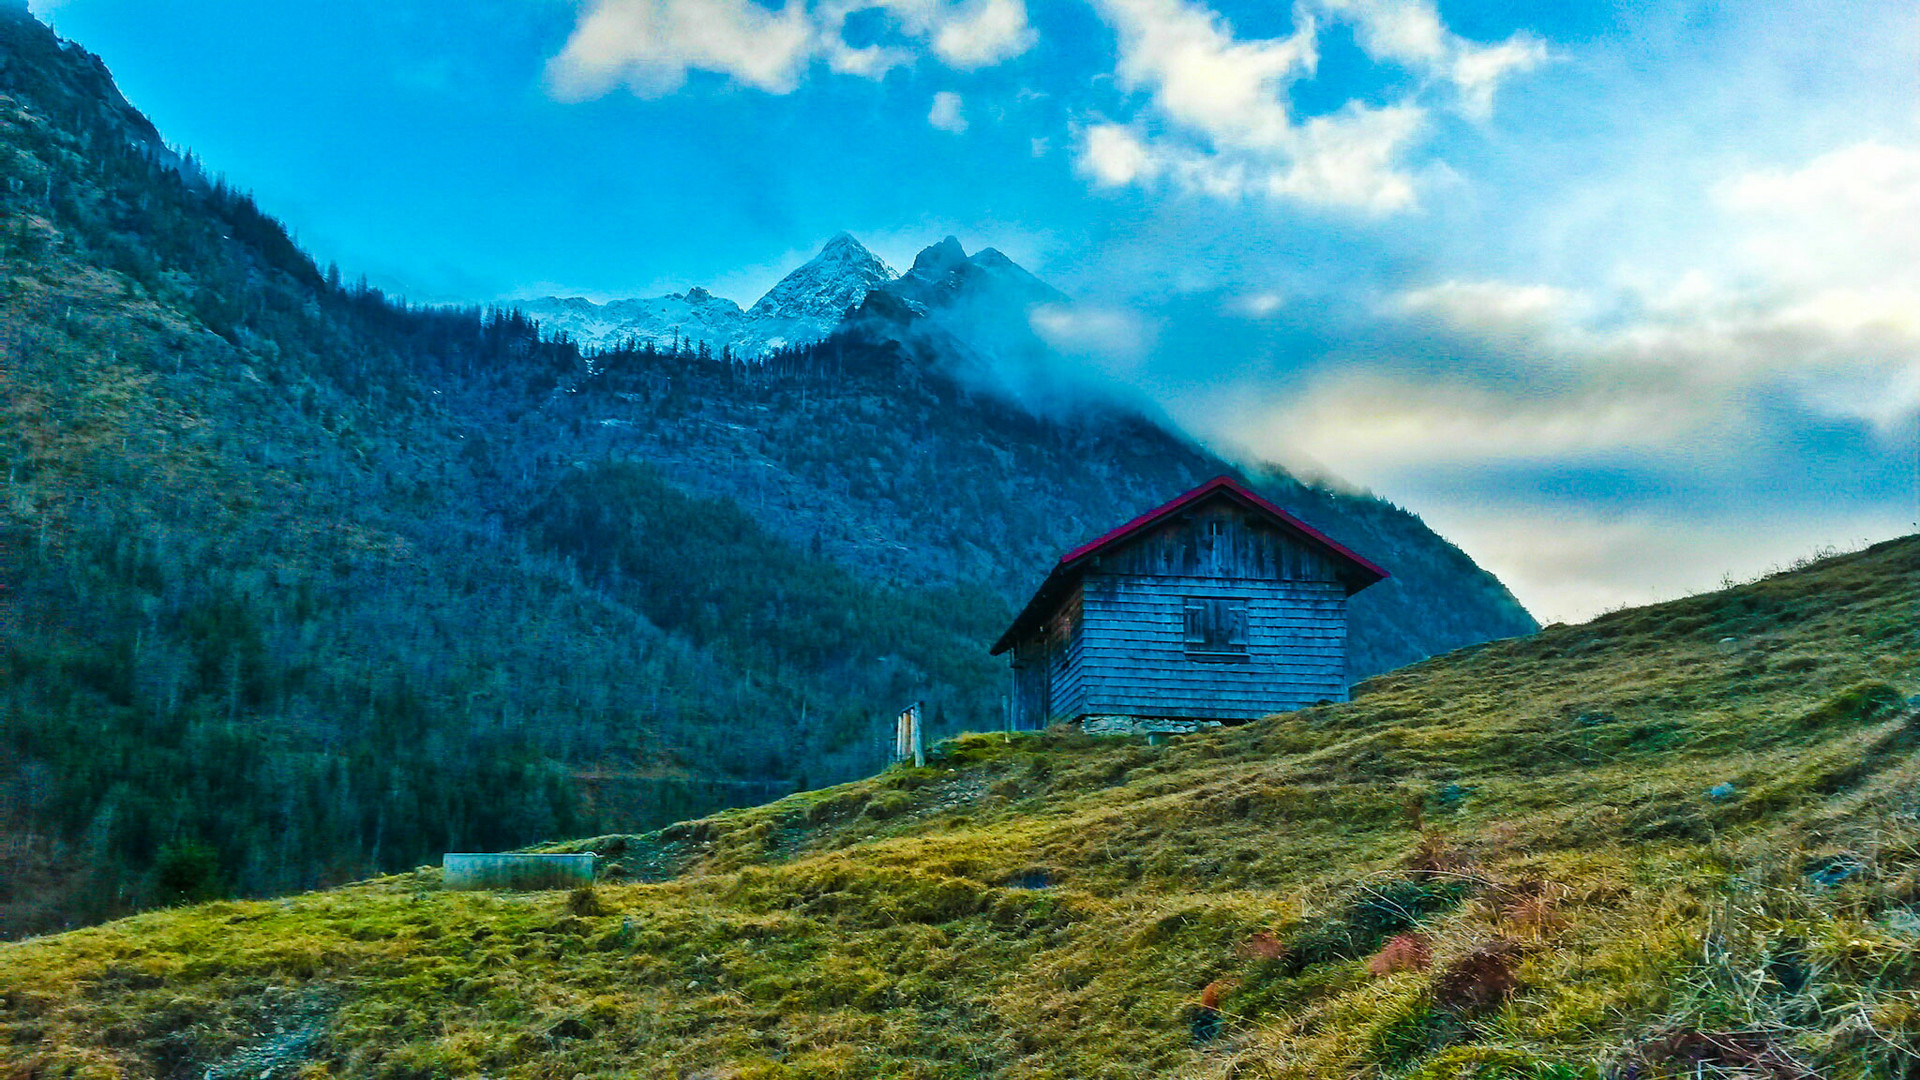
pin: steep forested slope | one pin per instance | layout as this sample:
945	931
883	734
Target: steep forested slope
1678	841
298	582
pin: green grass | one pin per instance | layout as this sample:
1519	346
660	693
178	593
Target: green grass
1056	906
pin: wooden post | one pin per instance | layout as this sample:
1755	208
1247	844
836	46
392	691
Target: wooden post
907	742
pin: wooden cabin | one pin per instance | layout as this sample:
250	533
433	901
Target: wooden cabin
1218	607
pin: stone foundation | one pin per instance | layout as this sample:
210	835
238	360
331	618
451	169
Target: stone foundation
1142	725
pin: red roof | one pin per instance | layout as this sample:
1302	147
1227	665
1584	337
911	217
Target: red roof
1362	572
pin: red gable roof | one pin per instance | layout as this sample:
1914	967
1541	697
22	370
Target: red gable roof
1361	571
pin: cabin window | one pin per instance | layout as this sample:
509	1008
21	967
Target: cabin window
1216	629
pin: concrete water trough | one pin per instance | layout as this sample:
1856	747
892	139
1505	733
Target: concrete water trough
514	871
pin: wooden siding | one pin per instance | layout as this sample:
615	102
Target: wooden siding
1135	662
1118	644
1049	678
1219	540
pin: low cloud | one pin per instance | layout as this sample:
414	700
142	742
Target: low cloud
650	46
1113	340
1382	424
1491	305
1569	565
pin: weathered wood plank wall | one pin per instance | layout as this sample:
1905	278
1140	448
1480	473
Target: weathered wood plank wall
1136	660
1117	645
1220	541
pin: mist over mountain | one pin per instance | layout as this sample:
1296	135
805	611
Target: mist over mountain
300	582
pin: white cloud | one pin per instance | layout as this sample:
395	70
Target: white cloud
650	45
1258	305
1492	305
1820	305
981	33
1849	217
1225	127
1477	71
1381	425
1115	156
1231	92
946	112
1352	158
1410	32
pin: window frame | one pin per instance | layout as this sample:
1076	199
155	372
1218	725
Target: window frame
1216	629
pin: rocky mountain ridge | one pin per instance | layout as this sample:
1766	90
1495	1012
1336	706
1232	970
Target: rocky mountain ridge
803	307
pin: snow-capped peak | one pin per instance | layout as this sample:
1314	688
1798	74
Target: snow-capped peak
822	289
806	306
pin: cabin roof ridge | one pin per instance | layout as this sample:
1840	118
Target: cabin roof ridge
1361	572
1221	483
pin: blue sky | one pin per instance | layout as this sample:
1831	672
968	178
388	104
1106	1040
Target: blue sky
1622	297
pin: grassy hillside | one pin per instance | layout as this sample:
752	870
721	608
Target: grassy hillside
1681	840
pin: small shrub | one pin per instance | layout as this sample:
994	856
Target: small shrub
1397	905
1857	704
1262	945
1743	1053
1379	912
1205	1017
187	872
1434	855
888	804
1481	979
1533	909
1405	952
585	902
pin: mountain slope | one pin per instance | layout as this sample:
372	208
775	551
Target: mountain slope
1676	841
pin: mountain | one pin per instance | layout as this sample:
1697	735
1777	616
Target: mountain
299	582
815	297
1677	841
944	276
695	316
803	308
